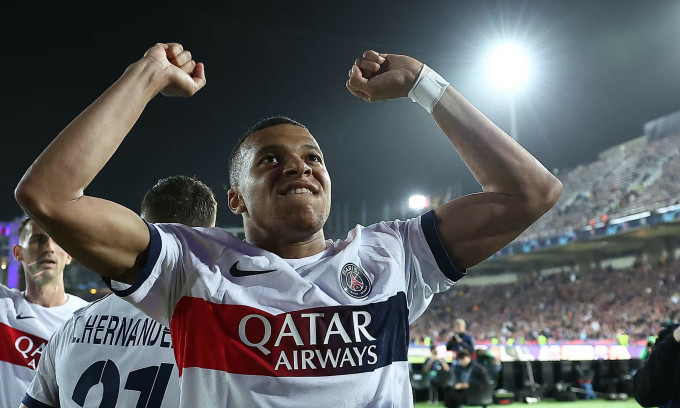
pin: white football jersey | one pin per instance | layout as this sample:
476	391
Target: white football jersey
108	354
251	329
24	330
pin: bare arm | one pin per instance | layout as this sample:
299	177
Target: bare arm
516	188
104	236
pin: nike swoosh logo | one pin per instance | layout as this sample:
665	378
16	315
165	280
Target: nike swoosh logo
238	273
20	316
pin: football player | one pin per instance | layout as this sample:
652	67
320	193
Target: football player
110	353
286	317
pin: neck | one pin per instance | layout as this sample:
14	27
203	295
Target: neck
293	249
48	295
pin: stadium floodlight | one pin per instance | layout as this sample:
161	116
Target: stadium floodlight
508	66
418	202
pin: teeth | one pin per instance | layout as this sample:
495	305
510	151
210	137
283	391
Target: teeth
299	191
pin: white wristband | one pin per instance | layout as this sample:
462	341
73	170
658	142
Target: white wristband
428	89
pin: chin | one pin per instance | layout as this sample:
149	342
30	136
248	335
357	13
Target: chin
304	223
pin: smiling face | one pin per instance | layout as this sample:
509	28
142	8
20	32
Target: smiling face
42	258
285	190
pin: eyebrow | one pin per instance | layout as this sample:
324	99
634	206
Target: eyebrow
32	236
279	146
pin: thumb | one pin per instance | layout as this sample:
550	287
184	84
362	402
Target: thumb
357	80
199	75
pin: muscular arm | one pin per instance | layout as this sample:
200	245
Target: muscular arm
656	382
516	188
104	236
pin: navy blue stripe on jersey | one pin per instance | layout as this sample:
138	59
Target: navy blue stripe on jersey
34	403
429	224
154	253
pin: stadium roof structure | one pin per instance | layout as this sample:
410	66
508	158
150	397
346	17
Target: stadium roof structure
611	241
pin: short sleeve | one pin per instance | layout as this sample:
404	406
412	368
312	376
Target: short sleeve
43	391
159	285
428	267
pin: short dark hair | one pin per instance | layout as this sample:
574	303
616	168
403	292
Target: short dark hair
180	199
236	159
462	354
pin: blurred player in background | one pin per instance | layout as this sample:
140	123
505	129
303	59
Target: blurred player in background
110	353
657	382
286	317
28	318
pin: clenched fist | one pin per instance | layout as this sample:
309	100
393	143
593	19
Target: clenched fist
377	77
183	76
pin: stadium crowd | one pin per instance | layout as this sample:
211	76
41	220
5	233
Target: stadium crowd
563	306
637	176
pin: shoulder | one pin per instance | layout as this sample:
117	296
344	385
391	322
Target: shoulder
196	236
94	305
379	234
75	302
7	292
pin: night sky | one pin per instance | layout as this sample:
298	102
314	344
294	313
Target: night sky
601	69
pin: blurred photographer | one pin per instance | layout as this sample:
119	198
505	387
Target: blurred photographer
461	340
432	367
469	377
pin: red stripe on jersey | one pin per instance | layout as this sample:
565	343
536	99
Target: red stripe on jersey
20	348
325	341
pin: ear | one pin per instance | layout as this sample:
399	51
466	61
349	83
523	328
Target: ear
236	204
68	259
18	253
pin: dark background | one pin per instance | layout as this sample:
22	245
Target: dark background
601	70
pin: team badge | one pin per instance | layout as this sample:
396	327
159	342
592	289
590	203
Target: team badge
354	281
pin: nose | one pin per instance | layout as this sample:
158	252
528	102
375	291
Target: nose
50	245
296	166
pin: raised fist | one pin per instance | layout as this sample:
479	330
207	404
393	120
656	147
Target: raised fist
377	77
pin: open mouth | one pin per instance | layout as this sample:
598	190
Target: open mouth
303	190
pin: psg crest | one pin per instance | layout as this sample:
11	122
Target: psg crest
354	281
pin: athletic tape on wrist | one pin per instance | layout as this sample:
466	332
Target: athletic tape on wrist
428	89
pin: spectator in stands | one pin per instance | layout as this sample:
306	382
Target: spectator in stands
657	383
432	368
461	339
467	375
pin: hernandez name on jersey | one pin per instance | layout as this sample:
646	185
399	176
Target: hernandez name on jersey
24	330
251	329
108	354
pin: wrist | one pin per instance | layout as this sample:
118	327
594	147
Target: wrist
150	74
428	88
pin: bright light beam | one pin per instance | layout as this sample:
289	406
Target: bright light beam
508	67
418	202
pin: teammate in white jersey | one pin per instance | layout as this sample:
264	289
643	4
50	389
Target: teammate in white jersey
28	318
109	353
287	318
